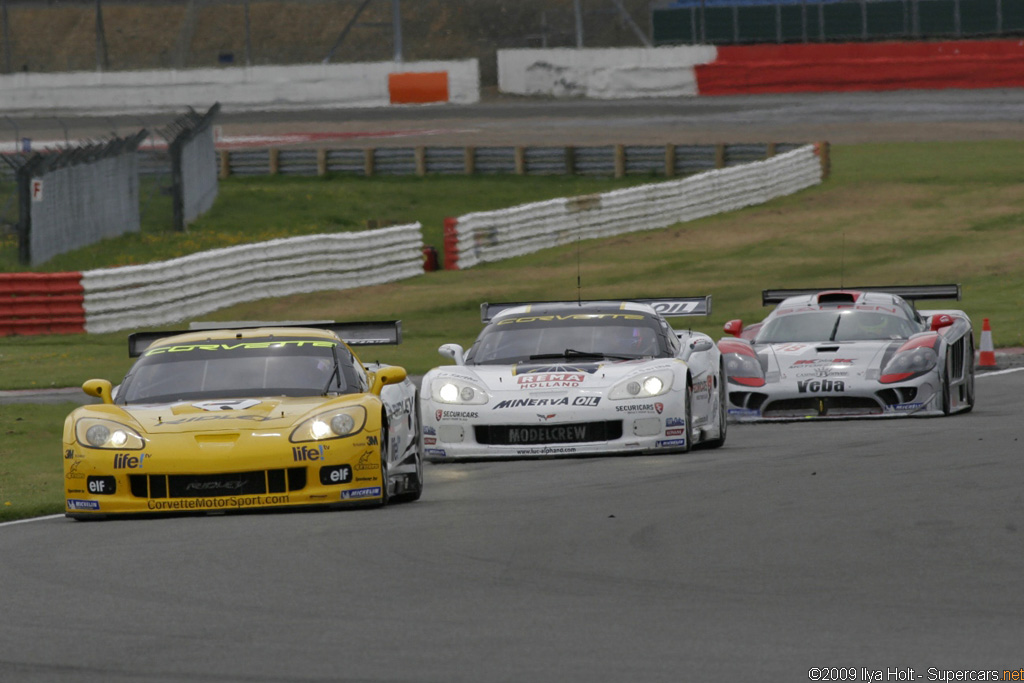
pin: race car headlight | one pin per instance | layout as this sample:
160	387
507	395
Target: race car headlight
909	363
642	386
458	391
97	433
742	368
331	425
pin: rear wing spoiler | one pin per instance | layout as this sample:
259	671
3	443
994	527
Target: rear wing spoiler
368	333
909	292
675	307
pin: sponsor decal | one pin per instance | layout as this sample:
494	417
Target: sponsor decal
127	461
546	433
338	474
641	408
75	504
221	485
429	440
674	422
101	486
569	317
547	368
671	309
902	407
73	472
743	412
584	401
238	404
816	386
430	430
305	453
400	408
69	454
367	462
545	418
549	380
675	432
547	450
216	503
817	362
372	440
456	415
208	418
369	492
185	348
671	442
437	452
702	390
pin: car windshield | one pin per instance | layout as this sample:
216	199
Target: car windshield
573	336
845	324
240	368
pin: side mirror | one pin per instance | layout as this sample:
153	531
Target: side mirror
387	375
700	344
734	327
454	352
941	320
100	388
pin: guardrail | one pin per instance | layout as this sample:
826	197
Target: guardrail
496	235
41	303
608	160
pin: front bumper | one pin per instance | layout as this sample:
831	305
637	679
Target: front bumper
178	474
783	401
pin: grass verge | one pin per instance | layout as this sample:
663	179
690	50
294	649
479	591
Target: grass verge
891	214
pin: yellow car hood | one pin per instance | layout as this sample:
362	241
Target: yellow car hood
232	414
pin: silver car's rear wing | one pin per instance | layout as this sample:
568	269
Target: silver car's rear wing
674	307
908	292
362	333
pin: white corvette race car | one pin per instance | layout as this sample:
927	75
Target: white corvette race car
550	379
857	352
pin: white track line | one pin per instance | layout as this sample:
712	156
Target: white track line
30	519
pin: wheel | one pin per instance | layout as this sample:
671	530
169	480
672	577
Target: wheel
947	400
414	486
688	416
719	441
385	445
969	379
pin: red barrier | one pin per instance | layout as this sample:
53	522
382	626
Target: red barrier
862	66
418	87
41	303
451	244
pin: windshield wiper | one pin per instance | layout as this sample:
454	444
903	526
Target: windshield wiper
335	373
574	353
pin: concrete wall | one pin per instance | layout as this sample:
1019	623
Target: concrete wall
603	73
236	88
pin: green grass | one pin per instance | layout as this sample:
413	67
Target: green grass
31	476
890	214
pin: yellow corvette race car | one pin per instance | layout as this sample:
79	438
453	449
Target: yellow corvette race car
258	415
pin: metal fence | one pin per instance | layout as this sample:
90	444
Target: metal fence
744	22
599	161
193	165
73	197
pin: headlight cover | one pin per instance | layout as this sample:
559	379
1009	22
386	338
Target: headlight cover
94	432
643	386
912	360
334	424
457	392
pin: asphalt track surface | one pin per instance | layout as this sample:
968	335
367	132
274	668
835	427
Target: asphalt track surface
881	545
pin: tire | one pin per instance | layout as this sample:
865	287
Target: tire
723	409
688	416
947	400
969	379
385	488
416	491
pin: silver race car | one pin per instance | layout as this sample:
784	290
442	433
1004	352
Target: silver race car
548	379
857	352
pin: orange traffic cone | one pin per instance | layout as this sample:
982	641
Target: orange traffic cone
987	357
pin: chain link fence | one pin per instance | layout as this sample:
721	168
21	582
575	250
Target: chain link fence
73	197
193	159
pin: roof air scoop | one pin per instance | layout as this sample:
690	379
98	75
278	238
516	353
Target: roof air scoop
838	297
827	349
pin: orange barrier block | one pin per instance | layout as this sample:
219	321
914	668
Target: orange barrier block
418	88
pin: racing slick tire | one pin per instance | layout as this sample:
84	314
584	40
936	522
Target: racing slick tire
385	484
414	482
947	399
688	416
719	441
969	379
